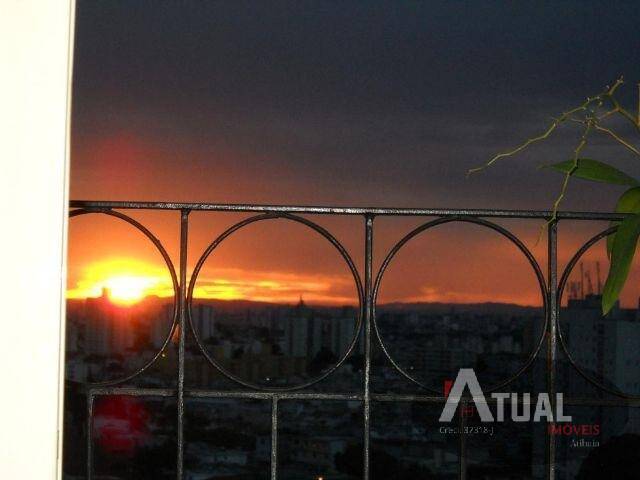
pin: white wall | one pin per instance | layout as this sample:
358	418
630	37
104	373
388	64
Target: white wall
34	76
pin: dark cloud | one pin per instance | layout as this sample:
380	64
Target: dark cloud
340	102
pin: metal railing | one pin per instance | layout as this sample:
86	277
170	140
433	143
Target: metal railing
550	341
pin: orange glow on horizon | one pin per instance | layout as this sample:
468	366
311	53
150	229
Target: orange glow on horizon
128	281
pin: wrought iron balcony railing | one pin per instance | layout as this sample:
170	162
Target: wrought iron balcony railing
367	285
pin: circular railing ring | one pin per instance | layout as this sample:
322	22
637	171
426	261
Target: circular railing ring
174	280
325	234
477	221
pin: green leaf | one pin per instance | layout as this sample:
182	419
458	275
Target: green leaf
595	171
629	202
624	248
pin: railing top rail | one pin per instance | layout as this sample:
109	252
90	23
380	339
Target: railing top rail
341	210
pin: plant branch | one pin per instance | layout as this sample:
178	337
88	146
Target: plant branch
617	138
556	122
608	93
567	177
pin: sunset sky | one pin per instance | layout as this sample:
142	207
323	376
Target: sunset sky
356	103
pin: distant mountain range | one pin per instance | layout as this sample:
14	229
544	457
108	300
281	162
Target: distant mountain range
483	307
432	307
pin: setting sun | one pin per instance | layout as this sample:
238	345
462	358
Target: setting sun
128	289
125	281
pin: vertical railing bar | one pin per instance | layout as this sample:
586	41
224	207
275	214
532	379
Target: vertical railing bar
552	341
462	408
368	272
184	231
274	438
89	435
